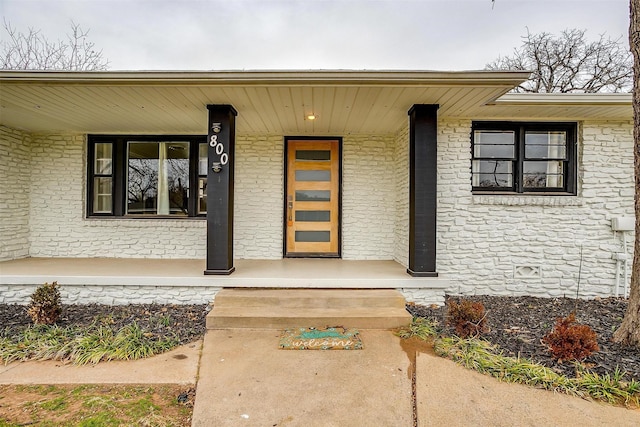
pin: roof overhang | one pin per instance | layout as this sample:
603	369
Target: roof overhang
270	77
269	102
560	106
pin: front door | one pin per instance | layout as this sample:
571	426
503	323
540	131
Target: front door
312	200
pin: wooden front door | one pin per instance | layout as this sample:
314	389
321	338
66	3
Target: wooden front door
312	198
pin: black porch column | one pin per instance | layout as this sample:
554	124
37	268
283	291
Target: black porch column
220	176
423	178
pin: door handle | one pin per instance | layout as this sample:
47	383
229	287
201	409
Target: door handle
290	210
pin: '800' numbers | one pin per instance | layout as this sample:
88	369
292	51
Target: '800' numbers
219	148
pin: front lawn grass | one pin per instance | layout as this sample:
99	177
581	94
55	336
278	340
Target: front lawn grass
93	405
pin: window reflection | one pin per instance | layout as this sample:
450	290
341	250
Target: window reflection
203	155
313	195
157	178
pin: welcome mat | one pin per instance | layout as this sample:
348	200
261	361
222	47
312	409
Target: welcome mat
336	338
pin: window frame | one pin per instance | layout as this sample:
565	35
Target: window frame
520	129
119	171
96	175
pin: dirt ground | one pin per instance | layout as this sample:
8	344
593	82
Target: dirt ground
96	405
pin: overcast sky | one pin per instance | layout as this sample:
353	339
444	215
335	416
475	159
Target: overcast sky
311	34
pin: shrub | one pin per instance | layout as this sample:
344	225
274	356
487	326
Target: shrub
467	317
45	306
570	340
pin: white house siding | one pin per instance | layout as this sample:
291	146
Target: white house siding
117	294
368	197
54	176
401	226
258	207
57	223
482	240
14	193
59	228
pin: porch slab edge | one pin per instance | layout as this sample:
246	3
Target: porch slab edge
229	281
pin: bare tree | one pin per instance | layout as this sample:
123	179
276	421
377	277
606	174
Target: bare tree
570	63
33	51
629	330
142	182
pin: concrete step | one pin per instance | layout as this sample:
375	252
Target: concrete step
309	298
267	318
287	308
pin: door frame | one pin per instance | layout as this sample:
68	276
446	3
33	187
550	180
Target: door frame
284	196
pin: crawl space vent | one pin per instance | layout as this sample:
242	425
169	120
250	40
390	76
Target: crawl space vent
526	272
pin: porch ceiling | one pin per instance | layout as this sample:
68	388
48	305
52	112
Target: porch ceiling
268	102
273	102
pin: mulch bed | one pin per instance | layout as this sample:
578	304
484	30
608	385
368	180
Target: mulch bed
186	323
517	325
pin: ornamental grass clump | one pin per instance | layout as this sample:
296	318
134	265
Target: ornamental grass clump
467	318
487	358
570	340
94	344
45	306
609	387
420	327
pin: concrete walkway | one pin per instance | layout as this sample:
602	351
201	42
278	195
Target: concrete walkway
450	395
178	366
245	380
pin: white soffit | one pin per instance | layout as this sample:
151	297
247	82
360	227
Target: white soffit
268	102
558	106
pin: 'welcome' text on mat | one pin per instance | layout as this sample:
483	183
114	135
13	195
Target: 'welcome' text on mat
336	338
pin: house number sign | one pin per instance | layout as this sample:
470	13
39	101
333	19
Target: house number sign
218	146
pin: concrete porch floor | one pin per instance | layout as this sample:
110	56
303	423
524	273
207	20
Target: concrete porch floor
282	273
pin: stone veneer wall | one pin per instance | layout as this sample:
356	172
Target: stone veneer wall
56	196
117	294
166	294
60	229
57	224
401	227
368	197
485	242
14	193
258	209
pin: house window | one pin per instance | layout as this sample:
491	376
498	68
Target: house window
514	157
102	199
146	176
202	178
